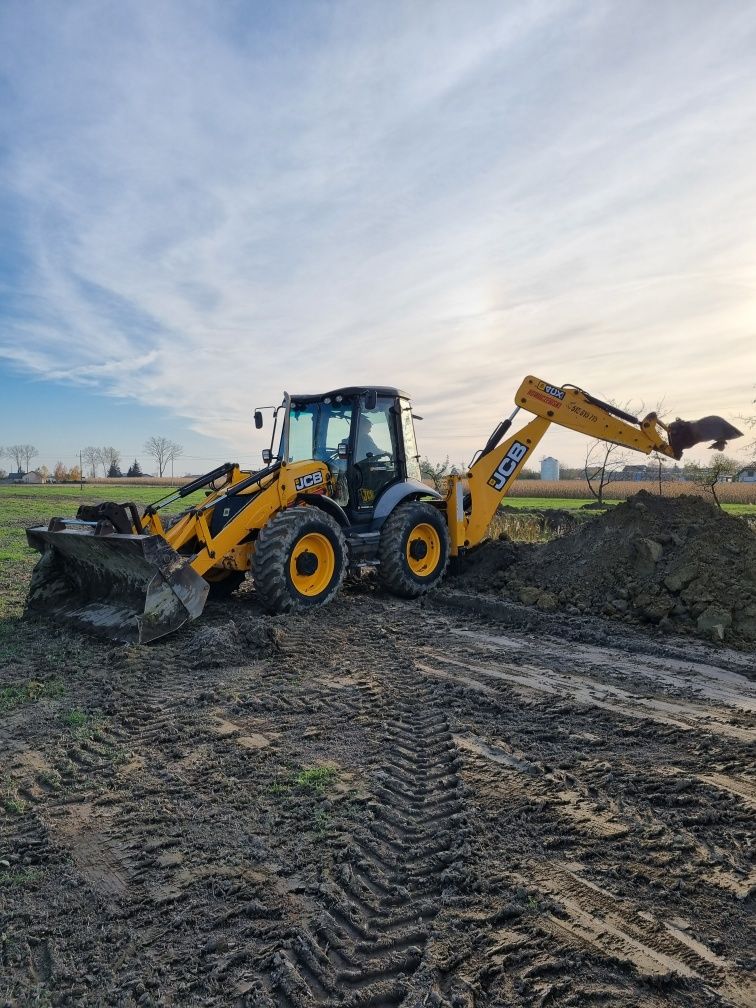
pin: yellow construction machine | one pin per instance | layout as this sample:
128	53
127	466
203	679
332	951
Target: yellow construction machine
340	489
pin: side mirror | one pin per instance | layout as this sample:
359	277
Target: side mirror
258	419
343	449
371	400
267	455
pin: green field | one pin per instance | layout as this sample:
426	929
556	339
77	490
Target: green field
24	506
573	503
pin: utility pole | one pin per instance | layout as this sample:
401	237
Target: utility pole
81	474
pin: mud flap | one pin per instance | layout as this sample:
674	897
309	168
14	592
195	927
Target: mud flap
130	588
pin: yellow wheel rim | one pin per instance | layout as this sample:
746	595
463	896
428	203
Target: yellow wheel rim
312	564
423	550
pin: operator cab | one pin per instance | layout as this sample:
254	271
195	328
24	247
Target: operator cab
366	437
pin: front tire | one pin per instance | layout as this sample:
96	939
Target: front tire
414	549
300	560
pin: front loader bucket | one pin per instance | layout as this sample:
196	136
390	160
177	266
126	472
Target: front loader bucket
131	588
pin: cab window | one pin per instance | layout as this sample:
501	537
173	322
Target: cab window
376	458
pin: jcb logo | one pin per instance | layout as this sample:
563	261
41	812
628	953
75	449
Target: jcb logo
308	481
552	390
507	466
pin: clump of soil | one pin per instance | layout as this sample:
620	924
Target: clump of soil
233	642
485	568
679	563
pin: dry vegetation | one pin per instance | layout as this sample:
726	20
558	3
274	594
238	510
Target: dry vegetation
728	493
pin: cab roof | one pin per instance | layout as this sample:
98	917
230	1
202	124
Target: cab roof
349	392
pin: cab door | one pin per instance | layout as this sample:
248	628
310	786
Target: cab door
377	458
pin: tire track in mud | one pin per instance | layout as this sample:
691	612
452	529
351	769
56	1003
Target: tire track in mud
622	929
673	827
490	843
366	941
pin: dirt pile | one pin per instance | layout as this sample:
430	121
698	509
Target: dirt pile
233	642
485	569
678	563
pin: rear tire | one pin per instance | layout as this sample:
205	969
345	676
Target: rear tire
414	549
300	560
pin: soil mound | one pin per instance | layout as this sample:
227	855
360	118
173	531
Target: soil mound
679	563
485	569
233	643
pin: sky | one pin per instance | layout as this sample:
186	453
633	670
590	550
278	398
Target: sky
204	204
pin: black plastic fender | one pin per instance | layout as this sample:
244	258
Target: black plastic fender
395	494
326	504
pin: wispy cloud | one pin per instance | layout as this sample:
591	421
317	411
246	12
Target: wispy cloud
210	202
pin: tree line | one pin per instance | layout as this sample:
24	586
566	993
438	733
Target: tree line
106	459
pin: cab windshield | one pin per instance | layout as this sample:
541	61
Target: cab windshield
316	429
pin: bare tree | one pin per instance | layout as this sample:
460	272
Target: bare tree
175	452
16	452
29	452
22	454
109	458
163	450
709	476
435	472
604	464
91	456
60	473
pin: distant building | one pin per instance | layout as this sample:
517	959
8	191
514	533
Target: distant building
747	475
650	472
549	468
14	477
637	473
32	477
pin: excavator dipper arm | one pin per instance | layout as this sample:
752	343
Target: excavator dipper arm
473	498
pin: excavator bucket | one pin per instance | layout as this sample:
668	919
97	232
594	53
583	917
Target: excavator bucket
130	588
687	433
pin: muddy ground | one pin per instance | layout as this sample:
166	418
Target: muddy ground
453	802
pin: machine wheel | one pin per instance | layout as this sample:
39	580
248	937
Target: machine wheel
414	549
223	583
300	560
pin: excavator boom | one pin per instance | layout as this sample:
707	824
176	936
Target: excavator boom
473	498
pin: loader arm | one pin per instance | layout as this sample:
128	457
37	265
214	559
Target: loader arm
473	498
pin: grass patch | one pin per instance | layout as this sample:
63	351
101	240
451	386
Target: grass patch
17	694
13	879
323	824
51	778
541	503
316	779
81	725
10	799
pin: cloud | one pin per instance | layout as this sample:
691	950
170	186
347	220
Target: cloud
211	203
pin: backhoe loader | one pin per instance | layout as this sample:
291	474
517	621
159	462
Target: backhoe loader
340	489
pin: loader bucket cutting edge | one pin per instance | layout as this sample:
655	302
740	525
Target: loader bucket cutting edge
130	588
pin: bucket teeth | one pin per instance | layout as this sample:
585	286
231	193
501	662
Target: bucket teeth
130	588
